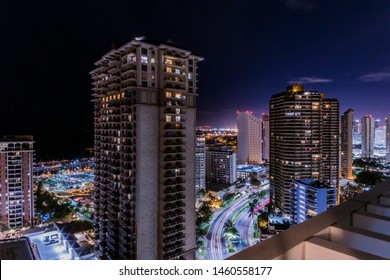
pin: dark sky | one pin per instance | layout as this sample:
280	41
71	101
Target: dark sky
252	49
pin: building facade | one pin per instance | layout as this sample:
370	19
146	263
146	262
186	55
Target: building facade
16	182
221	165
368	134
265	134
388	138
144	95
200	162
310	198
249	140
304	141
380	136
346	144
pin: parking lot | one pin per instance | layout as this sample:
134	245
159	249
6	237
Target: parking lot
47	250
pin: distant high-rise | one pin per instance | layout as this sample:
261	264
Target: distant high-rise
221	165
200	162
265	134
380	136
304	141
367	136
357	128
16	182
346	144
249	141
388	138
145	102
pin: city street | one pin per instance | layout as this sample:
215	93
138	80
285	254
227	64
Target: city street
216	244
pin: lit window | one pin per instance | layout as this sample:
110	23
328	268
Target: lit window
177	95
168	94
177	111
169	69
144	59
190	76
168	61
152	61
168	118
177	118
177	71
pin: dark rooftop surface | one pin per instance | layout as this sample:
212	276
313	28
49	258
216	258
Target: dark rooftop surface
15	249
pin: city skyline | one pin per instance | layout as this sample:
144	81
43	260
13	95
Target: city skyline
251	53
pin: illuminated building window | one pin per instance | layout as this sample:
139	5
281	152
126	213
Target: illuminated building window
144	59
168	61
168	94
177	95
168	118
177	111
190	76
177	118
169	69
177	71
152	61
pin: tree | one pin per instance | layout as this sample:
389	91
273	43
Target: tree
368	178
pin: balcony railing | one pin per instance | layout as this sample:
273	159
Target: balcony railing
356	229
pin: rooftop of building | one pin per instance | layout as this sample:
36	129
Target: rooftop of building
250	168
17	138
149	41
356	229
312	183
73	227
73	233
16	249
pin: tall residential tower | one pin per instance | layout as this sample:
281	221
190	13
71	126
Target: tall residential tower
16	182
367	136
304	141
200	162
145	101
249	141
346	143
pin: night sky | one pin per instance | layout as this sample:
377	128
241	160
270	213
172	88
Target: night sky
252	49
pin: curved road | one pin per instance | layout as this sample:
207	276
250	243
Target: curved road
216	246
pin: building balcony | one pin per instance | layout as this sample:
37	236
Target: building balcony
356	229
173	214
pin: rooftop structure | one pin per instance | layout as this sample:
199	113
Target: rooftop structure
16	249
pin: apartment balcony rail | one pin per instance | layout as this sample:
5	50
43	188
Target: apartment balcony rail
356	229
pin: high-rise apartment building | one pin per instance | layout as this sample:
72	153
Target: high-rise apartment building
310	198
304	141
346	143
265	134
200	162
144	118
249	140
380	136
367	136
221	165
16	182
388	138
